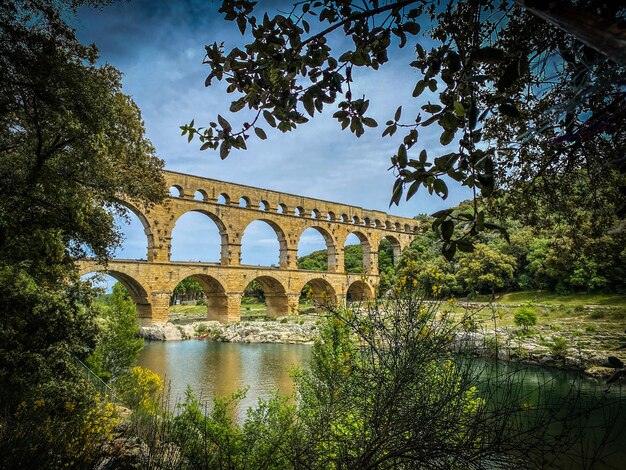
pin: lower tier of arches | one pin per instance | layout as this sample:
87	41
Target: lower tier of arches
151	286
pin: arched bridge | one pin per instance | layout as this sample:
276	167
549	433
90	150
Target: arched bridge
233	207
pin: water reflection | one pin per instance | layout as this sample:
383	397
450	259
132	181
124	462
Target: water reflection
211	368
222	368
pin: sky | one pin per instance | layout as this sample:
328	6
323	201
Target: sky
159	47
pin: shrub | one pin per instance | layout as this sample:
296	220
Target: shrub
140	388
558	347
525	317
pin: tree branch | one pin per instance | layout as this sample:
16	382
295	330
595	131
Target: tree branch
358	16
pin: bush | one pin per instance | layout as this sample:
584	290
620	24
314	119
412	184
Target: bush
525	317
140	389
558	347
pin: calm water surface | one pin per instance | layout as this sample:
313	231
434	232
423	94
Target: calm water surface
222	368
212	368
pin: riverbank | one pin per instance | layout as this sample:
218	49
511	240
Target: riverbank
547	346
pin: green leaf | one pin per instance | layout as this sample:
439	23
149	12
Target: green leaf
465	245
309	106
224	150
241	24
396	116
402	156
412	189
369	122
269	118
442	213
459	110
260	133
441	188
420	86
224	123
237	105
449	250
411	28
396	193
447	229
205	146
446	137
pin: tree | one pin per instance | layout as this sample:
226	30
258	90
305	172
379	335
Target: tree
118	345
71	145
525	317
485	270
531	97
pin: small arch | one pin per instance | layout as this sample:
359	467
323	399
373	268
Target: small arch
223	199
299	211
378	223
388	225
416	229
264	206
389	251
359	291
358	259
244	201
407	228
202	287
356	220
275	295
343	218
176	191
261	239
201	195
196	238
327	243
315	214
316	294
398	226
331	216
367	222
281	209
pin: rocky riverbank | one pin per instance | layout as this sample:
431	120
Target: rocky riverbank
242	332
571	350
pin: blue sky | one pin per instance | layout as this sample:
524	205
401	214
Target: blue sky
159	47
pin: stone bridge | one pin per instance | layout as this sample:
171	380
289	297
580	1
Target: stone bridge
232	207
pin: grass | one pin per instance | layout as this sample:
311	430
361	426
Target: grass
248	310
572	300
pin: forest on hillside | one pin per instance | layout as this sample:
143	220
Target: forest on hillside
546	256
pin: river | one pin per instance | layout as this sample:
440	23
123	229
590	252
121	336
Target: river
222	368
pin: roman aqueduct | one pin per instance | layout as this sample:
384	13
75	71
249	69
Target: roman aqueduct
232	207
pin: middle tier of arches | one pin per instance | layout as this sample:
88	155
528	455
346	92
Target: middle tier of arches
231	223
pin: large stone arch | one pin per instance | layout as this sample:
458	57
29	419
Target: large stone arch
331	248
359	291
138	292
366	246
221	227
217	298
323	293
276	299
396	246
283	246
151	252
